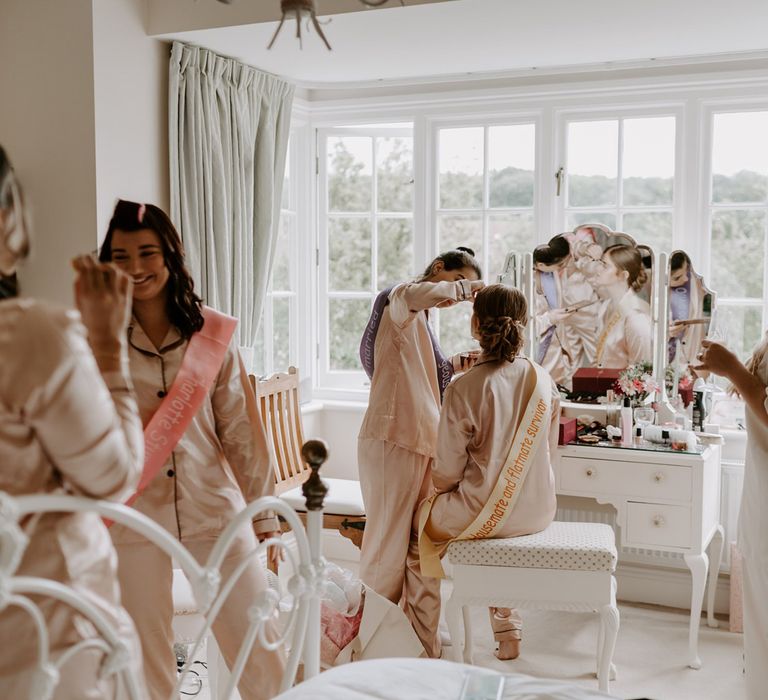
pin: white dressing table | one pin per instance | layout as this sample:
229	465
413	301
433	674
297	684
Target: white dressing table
665	501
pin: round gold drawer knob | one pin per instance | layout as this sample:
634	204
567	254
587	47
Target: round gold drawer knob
658	476
658	521
590	472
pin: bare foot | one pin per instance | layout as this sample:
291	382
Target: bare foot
508	649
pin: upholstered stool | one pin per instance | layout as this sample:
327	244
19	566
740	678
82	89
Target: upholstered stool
568	566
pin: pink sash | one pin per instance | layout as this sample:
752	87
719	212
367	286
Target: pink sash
202	362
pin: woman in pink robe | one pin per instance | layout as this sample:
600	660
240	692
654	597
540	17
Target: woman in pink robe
481	413
68	424
553	351
220	463
625	330
398	436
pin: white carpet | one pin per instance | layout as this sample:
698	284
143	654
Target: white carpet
650	653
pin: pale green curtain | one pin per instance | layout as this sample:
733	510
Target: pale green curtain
229	127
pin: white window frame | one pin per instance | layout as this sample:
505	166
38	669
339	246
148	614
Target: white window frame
485	211
687	96
710	108
620	113
354	381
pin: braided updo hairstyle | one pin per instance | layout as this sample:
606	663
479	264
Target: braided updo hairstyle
501	313
629	259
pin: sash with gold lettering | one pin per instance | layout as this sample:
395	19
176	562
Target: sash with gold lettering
531	434
202	361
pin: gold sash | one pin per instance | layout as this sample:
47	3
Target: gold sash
604	337
529	437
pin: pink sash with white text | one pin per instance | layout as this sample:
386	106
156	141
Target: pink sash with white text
202	362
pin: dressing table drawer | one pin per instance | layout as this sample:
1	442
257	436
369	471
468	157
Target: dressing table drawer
604	477
650	524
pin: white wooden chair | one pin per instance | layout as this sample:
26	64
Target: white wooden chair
301	629
280	410
568	566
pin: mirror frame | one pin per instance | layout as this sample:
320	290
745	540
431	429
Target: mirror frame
519	272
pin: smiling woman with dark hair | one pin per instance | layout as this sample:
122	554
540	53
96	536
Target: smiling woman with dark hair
209	451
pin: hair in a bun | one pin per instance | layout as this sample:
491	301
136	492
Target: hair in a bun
501	313
627	258
552	253
456	259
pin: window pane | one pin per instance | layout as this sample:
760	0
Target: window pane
349	254
740	157
737	253
511	162
577	218
281	325
350	165
455	334
744	327
395	251
649	160
461	168
593	163
281	276
507	233
347	319
651	228
394	170
466	231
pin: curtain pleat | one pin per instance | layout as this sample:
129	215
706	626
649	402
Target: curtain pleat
229	125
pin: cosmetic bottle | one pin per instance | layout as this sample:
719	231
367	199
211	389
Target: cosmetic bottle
626	422
699	412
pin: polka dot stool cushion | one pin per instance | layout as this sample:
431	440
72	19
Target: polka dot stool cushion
571	546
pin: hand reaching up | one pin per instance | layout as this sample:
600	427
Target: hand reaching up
103	297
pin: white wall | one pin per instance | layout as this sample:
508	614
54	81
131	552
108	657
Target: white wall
47	127
83	117
338	423
131	102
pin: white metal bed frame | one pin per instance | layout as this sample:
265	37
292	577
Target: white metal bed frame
301	631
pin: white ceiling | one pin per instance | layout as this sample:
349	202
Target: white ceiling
453	39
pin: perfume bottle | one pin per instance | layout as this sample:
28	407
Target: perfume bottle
626	422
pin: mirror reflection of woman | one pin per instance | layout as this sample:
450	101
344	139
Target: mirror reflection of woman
624	325
579	291
551	316
686	301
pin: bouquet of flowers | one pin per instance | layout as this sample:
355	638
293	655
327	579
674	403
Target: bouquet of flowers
637	382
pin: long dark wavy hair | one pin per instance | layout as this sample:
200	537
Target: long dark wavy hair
183	306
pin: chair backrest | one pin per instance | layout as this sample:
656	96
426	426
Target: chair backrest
278	398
